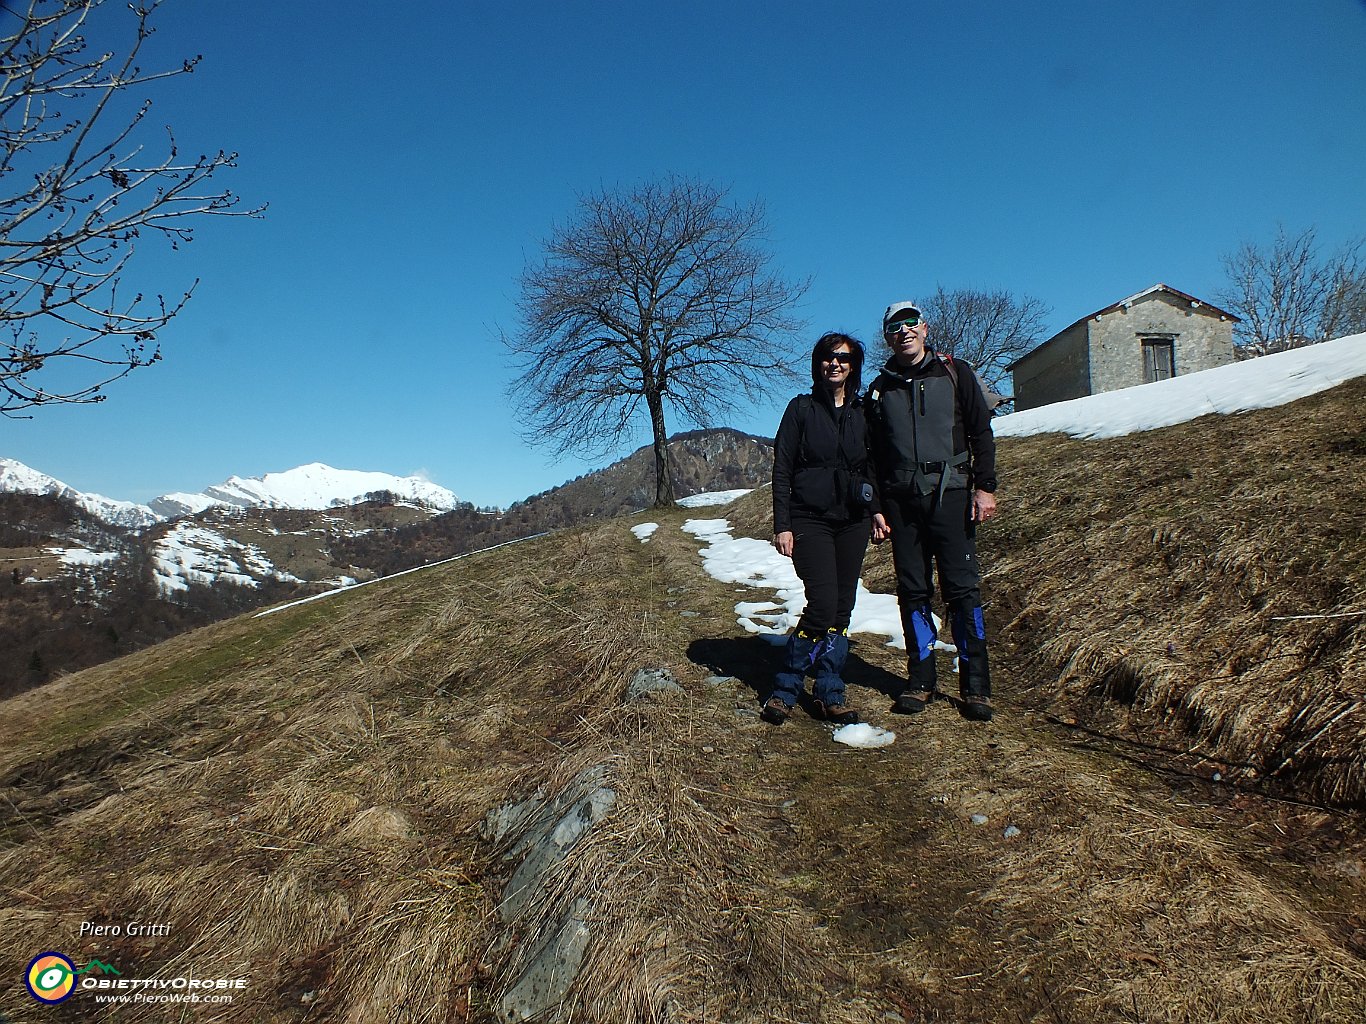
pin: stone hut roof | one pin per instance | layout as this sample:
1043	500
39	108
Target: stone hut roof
1125	304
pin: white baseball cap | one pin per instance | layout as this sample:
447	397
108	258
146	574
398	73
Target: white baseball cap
899	311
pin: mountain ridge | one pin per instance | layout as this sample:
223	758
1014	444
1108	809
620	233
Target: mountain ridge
77	592
16	477
311	486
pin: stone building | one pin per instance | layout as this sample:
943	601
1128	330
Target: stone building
1156	334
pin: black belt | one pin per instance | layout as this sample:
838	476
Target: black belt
938	467
943	468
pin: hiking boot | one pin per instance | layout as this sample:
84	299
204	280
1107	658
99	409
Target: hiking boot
913	703
775	712
838	714
977	708
922	683
974	673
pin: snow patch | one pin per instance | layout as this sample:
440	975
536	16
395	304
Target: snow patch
195	554
863	735
1238	387
712	498
757	563
82	556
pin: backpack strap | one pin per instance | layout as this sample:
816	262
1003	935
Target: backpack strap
805	407
992	399
947	361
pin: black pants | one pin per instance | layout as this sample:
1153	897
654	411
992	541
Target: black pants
926	533
828	556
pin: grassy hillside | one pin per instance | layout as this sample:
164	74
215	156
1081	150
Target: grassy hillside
72	620
1212	575
340	802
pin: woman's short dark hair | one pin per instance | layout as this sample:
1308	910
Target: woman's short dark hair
853	384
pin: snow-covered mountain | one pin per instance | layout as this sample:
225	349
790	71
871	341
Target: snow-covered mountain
314	486
15	476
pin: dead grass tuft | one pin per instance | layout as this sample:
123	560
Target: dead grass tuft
680	922
1189	933
1166	579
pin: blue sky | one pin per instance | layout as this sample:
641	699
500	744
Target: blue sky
415	155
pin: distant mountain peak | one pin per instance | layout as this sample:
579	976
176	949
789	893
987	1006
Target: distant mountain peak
311	486
17	477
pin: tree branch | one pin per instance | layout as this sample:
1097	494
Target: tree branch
68	235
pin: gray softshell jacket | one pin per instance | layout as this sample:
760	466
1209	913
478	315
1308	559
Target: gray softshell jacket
927	433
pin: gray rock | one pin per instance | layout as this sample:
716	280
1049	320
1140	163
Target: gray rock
551	969
1011	832
548	847
540	832
652	680
978	819
514	822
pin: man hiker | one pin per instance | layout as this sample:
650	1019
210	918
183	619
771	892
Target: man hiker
934	456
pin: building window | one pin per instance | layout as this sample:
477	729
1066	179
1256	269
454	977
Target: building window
1159	359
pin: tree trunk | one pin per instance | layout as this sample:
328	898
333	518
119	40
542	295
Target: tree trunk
664	485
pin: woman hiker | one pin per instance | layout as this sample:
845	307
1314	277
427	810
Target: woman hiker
822	517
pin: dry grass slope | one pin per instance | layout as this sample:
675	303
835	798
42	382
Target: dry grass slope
305	797
1166	572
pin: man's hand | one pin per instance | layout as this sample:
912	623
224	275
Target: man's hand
983	506
881	531
783	542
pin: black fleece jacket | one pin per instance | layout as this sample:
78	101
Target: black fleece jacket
819	451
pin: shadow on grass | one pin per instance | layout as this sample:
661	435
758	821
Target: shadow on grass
753	660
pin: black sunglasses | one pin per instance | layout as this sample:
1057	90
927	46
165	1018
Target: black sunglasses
838	357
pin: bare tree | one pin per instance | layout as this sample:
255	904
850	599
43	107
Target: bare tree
659	293
1344	308
989	329
78	191
1291	295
